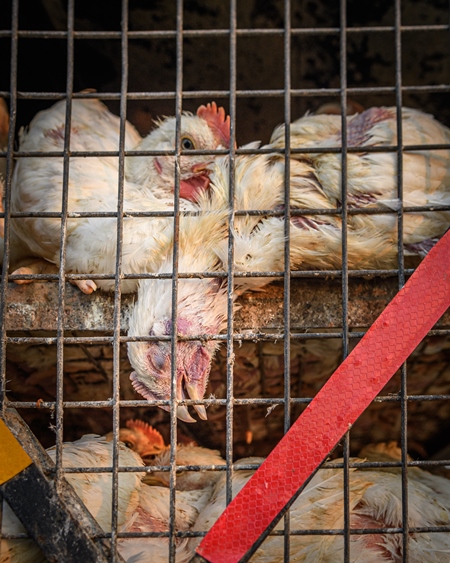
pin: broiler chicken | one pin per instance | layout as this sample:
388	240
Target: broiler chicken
141	508
372	182
315	241
375	501
93	187
202	303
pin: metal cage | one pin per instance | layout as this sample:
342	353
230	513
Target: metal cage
63	364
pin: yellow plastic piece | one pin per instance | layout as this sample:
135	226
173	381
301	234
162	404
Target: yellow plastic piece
13	458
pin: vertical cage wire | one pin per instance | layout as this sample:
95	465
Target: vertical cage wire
59	410
176	234
287	247
7	197
7	216
344	261
118	281
230	357
401	276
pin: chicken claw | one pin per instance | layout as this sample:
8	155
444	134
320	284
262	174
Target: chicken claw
36	266
24	271
86	286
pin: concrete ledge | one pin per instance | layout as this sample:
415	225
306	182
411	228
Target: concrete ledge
315	303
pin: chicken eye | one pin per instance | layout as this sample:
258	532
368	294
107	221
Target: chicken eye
128	444
187	143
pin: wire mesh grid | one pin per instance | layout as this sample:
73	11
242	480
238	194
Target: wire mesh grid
290	98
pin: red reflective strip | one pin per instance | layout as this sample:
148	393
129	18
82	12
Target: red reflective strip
352	387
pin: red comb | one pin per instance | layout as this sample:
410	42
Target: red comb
153	435
218	121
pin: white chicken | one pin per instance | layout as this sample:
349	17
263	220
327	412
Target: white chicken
315	241
141	508
193	490
93	187
372	180
375	501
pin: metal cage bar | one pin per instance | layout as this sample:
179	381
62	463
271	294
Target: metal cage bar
287	247
176	228
230	256
344	226
7	197
401	275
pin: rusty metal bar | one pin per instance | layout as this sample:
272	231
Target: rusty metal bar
179	33
207	402
344	279
59	411
7	200
287	247
117	283
401	276
230	256
244	32
240	93
243	150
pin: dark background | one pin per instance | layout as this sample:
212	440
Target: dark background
314	57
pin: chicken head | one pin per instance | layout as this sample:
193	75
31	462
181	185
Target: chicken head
153	365
209	129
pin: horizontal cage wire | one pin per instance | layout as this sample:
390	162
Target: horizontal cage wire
216	268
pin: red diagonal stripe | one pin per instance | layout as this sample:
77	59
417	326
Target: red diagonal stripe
352	387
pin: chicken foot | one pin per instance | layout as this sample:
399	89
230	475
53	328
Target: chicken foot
33	266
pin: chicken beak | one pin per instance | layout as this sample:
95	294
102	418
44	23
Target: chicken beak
200	168
201	411
195	396
183	414
182	411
